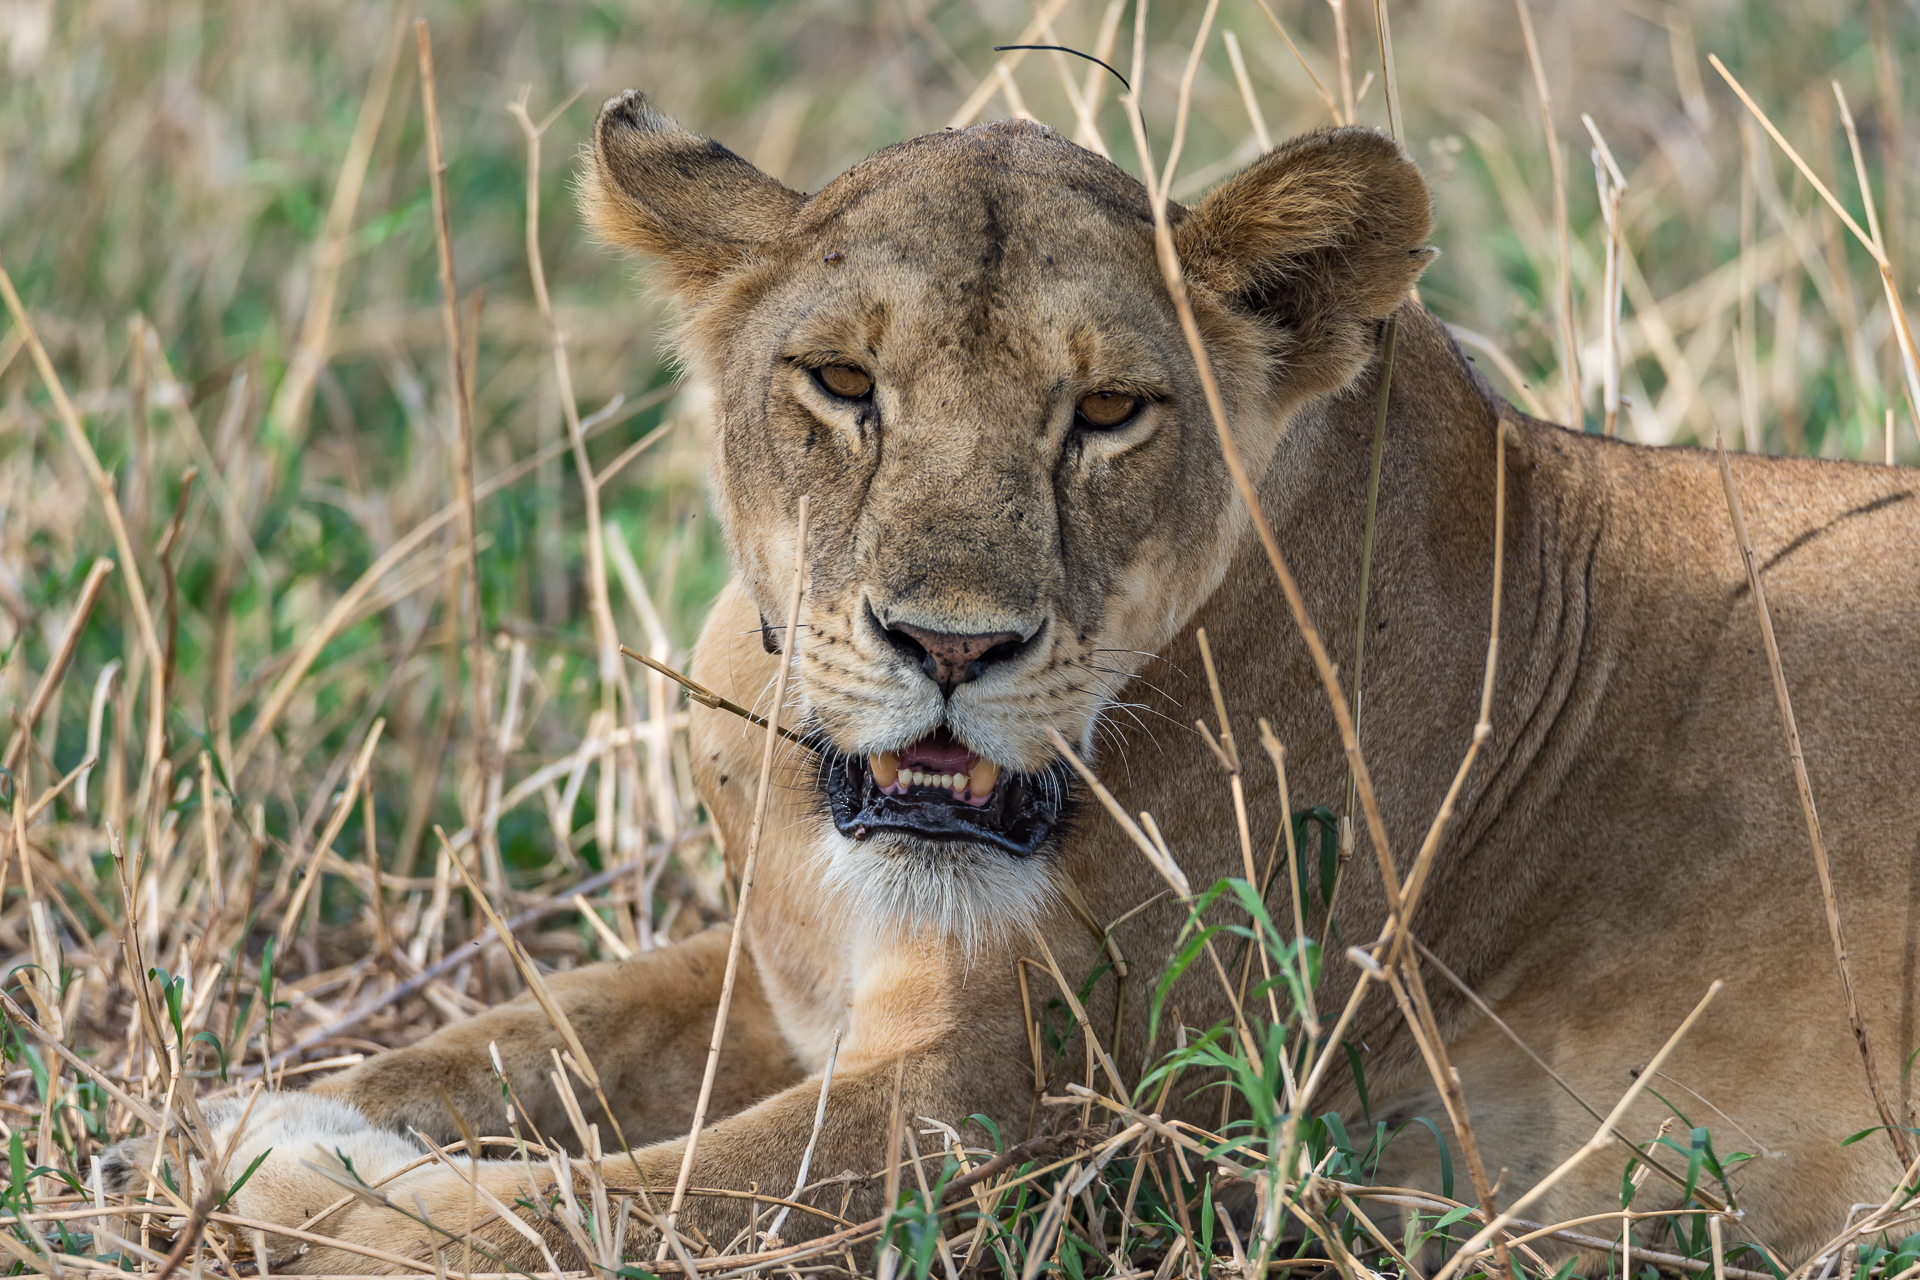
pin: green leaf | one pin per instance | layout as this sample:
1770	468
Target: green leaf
1329	850
172	989
48	1171
1696	1156
214	1040
241	1181
993	1130
1359	1077
16	1164
1446	1156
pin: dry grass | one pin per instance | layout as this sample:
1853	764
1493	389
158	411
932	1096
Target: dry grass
372	540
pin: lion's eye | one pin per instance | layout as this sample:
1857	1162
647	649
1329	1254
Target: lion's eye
844	380
1105	409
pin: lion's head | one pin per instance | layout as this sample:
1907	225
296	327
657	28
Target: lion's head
964	351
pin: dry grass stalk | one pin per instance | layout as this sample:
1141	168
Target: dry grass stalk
1383	28
1645	1160
763	791
310	874
461	389
599	601
110	505
1348	102
613	684
1366	565
976	102
1228	753
1278	754
50	678
555	1014
293	399
1746	356
1157	856
1601	1138
1569	338
1517	383
1909	356
1185	103
1333	107
1254	115
707	697
1080	1016
1836	931
1433	1050
347	607
813	1139
1613	189
1230	451
1086	130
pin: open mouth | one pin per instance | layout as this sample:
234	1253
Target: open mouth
937	789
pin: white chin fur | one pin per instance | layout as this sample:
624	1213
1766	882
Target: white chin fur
975	894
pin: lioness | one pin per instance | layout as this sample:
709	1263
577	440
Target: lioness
964	352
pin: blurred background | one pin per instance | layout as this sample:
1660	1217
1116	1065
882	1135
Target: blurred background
218	215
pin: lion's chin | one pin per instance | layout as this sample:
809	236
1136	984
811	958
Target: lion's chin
973	893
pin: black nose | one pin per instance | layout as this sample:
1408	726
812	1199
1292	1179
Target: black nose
952	660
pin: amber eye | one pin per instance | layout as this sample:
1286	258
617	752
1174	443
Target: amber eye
1105	409
844	380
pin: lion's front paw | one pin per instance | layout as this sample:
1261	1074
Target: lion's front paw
292	1127
123	1166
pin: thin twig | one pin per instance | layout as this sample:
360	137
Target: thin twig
1613	188
110	504
57	667
762	793
707	697
813	1139
290	918
1909	356
463	954
350	600
287	414
1601	1138
1569	339
1836	931
1230	452
461	392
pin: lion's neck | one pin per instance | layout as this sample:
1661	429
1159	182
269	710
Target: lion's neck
1426	642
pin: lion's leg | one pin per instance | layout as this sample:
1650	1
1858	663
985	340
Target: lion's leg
645	1022
916	1039
435	1205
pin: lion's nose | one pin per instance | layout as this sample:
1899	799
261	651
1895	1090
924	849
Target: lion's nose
952	660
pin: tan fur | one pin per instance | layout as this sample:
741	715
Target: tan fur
1629	833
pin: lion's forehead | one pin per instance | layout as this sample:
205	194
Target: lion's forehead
982	207
1014	170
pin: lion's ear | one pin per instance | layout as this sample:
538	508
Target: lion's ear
1322	237
676	196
